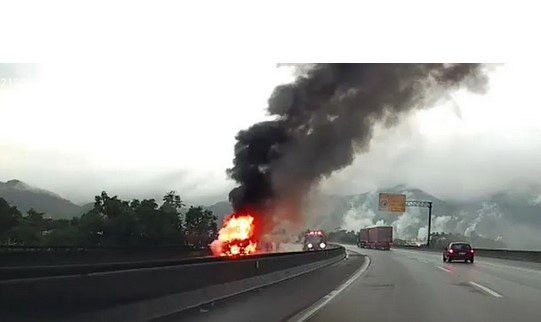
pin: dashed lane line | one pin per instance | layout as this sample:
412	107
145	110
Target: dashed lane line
486	289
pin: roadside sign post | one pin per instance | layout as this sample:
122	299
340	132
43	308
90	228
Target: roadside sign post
428	204
397	203
429	223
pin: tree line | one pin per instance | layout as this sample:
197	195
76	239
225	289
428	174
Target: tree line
112	222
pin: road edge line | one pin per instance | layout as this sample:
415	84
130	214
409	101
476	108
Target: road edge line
314	308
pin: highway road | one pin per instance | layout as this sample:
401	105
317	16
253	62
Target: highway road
409	285
398	285
275	302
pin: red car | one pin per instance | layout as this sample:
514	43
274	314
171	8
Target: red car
458	251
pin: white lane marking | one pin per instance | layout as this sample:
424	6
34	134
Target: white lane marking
443	268
311	310
486	289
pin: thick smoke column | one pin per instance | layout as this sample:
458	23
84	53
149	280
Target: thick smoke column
323	119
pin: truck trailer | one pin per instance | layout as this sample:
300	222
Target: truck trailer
363	238
376	237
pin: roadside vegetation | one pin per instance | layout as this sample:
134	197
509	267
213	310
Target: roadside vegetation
112	222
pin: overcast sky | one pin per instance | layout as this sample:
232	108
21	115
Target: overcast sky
467	147
153	104
144	129
131	129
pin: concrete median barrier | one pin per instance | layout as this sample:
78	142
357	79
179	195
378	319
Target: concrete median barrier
149	292
521	255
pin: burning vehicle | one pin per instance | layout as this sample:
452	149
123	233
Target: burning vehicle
236	237
314	240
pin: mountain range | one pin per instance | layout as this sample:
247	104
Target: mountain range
513	217
25	197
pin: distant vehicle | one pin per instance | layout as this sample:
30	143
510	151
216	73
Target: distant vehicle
314	240
376	238
363	238
458	251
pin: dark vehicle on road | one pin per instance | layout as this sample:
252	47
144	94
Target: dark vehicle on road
458	251
314	240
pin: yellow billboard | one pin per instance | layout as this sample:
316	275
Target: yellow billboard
392	202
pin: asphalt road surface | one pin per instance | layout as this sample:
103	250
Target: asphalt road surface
276	302
409	285
399	285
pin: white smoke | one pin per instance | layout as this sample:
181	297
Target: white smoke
536	201
362	215
404	226
422	233
487	221
440	224
359	217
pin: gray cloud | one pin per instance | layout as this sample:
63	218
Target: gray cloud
460	167
463	165
74	177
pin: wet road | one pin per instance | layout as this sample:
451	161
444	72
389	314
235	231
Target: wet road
398	285
409	285
276	302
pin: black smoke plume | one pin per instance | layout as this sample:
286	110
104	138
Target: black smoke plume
325	117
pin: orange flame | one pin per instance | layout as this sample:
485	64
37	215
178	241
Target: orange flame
236	238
